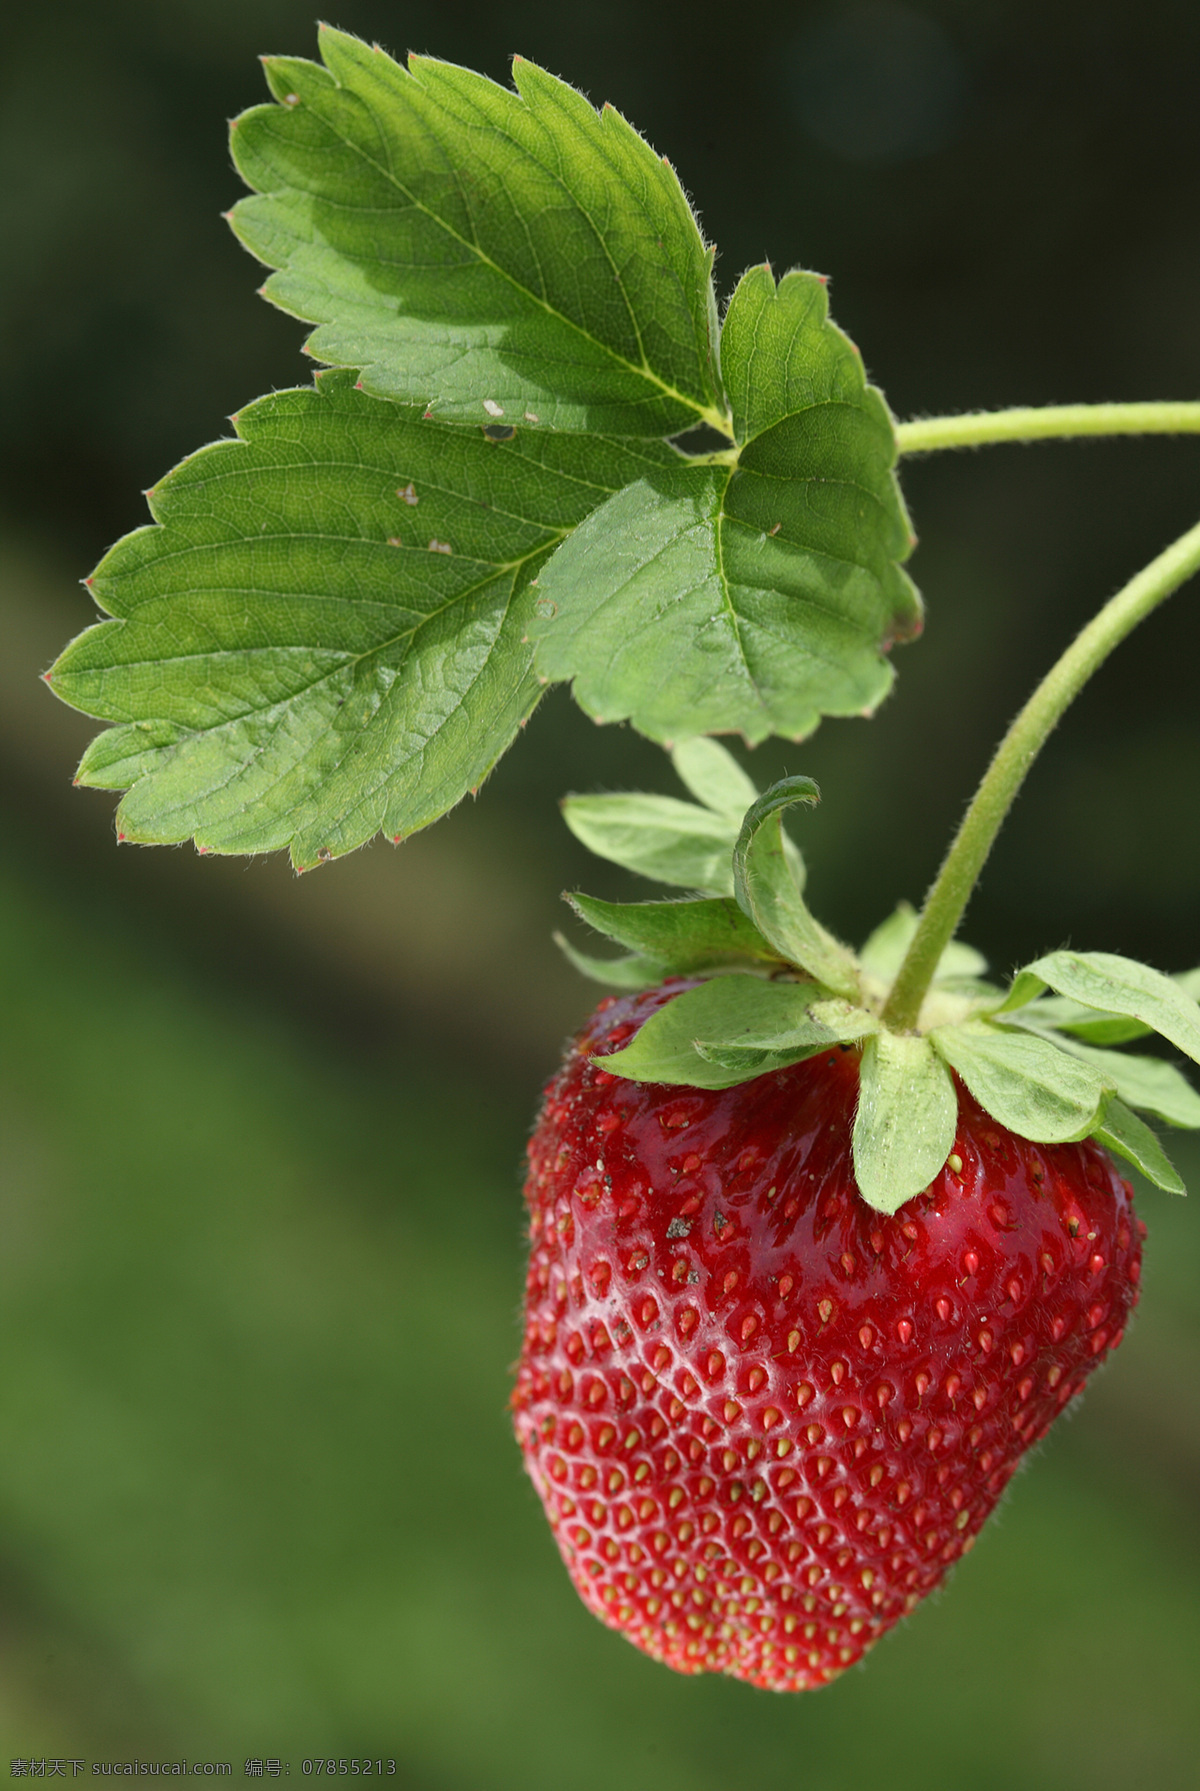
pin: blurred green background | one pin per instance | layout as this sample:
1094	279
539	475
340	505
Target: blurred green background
260	1256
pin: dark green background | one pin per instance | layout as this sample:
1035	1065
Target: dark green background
259	1177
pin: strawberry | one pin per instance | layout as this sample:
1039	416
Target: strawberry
763	1417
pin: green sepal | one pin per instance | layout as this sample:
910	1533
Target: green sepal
1123	1132
659	837
906	1120
1095	1027
632	972
1113	985
681	936
714	777
1147	1083
720	1011
767	894
1026	1083
883	953
783	1033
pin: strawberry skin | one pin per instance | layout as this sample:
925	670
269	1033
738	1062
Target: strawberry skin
764	1420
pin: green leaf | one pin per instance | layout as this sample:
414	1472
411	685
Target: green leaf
1024	1081
325	636
1144	1082
883	953
632	972
714	777
1123	1132
682	936
1114	985
752	597
767	894
906	1120
718	1011
488	253
1096	1027
657	836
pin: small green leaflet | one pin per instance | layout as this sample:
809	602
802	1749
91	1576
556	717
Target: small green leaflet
782	1032
906	1119
324	636
489	254
759	592
1123	1132
1143	1082
1114	985
631	972
1096	1027
720	1013
883	953
673	841
681	936
767	894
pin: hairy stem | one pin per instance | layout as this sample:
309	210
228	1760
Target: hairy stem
1042	422
956	880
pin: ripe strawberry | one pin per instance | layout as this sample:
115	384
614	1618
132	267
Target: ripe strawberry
763	1418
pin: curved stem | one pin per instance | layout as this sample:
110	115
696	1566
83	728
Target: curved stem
956	880
1041	422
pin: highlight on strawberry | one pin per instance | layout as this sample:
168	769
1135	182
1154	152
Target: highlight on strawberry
822	1240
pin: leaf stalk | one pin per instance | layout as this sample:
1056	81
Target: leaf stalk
1029	423
1025	738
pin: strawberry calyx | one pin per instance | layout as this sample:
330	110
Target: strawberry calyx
763	985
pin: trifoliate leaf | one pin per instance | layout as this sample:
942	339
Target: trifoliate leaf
494	255
682	936
714	777
719	1011
325	635
752	597
1143	1082
883	953
767	894
632	972
1123	1132
1024	1081
906	1120
1114	985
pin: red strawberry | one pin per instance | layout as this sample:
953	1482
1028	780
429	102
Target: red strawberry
764	1419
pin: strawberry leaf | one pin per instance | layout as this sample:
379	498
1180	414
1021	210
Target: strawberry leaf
324	636
1097	1027
883	953
767	893
906	1120
1024	1081
760	591
1123	1132
487	253
714	777
1143	1082
681	936
659	837
781	1032
632	972
1113	985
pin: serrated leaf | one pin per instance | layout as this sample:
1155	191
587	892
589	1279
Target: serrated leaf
324	636
1024	1081
488	253
757	597
664	1050
657	836
682	936
1123	1132
1147	1083
1114	985
906	1119
883	953
785	1031
714	777
767	893
632	972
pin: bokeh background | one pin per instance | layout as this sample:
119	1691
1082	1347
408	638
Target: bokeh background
261	1248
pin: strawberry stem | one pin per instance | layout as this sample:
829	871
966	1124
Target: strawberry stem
956	880
1032	423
